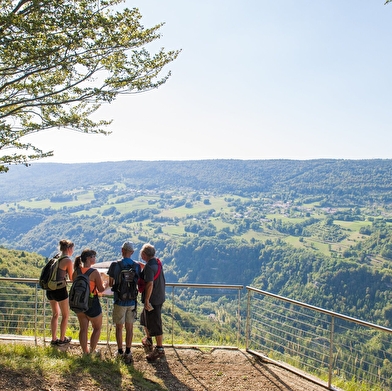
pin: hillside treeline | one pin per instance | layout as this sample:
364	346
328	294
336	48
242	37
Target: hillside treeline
356	182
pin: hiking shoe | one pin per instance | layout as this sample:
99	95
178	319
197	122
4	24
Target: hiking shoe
54	343
147	345
155	354
128	359
65	341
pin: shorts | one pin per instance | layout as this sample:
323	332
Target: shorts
95	309
152	320
58	294
124	314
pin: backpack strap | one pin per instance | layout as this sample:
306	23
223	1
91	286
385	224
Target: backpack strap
88	272
119	266
159	269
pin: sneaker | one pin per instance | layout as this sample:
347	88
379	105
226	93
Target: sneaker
54	343
65	341
128	359
155	354
147	345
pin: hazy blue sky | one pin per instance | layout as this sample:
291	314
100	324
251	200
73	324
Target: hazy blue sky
256	79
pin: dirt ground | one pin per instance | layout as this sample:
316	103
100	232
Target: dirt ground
223	370
183	369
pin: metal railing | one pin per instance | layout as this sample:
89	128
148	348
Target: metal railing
188	313
334	347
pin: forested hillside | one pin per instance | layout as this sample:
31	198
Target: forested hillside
355	181
317	231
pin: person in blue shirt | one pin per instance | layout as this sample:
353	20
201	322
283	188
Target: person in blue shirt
124	312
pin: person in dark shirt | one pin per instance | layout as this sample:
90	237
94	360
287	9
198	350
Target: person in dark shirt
153	297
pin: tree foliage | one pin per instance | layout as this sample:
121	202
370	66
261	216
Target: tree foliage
60	60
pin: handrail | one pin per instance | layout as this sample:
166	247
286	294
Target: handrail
322	310
296	347
219	286
172	284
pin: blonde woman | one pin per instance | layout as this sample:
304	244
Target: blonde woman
58	299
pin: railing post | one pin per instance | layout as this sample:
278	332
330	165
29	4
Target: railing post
239	319
172	313
331	339
36	315
107	324
247	331
44	315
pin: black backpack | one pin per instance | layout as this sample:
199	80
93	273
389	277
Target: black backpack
127	282
48	276
79	294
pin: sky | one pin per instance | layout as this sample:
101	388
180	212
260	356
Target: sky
256	79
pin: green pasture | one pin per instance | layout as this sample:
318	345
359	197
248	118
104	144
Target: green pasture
259	236
83	198
141	202
217	203
219	224
295	242
45	204
352	225
176	230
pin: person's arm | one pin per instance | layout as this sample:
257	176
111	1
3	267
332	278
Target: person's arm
100	286
148	292
111	274
69	269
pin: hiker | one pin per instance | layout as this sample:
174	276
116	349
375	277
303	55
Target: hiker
124	308
153	297
94	313
58	298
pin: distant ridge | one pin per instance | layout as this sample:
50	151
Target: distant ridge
310	177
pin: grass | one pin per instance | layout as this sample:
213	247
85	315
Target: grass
46	365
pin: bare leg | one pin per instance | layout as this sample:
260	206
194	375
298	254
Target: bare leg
159	339
96	323
119	330
128	334
64	308
83	324
55	317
